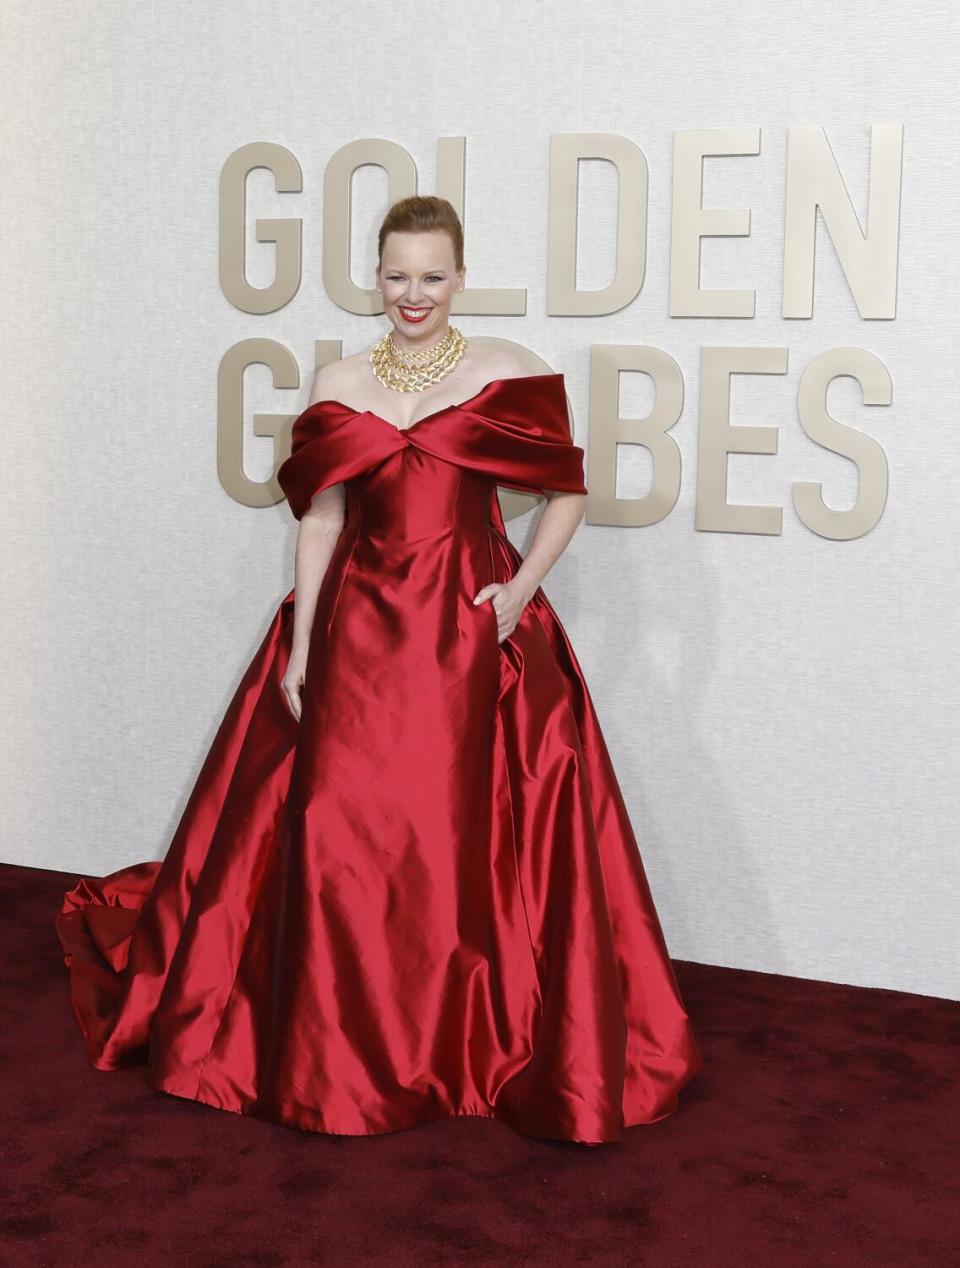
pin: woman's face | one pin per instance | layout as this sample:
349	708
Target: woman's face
418	279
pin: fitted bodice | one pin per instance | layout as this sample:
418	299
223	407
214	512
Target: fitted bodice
414	495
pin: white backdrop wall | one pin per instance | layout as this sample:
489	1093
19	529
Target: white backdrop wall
781	710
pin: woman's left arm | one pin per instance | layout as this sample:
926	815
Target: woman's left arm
556	527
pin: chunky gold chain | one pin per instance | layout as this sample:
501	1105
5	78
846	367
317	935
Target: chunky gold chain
412	371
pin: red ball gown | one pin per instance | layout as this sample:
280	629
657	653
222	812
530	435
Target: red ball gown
426	898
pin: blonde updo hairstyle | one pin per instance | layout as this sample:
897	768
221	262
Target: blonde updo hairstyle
423	213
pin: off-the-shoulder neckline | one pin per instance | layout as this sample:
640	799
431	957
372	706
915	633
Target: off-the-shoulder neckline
446	409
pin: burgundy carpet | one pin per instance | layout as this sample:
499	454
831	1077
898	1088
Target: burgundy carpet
823	1129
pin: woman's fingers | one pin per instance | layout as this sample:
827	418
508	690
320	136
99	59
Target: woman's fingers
291	692
489	589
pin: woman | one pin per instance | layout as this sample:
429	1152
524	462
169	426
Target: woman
405	886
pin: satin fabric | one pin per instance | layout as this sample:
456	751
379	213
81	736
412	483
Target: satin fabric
426	899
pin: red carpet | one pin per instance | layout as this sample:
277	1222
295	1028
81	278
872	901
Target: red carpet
823	1129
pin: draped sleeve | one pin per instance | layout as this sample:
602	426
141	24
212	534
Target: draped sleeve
330	444
518	431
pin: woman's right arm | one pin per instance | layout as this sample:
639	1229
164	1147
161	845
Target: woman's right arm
320	526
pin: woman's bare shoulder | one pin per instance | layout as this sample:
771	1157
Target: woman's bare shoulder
341	379
492	363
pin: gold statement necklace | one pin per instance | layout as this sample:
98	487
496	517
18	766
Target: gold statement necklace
406	370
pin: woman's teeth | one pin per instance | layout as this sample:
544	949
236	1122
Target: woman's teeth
415	314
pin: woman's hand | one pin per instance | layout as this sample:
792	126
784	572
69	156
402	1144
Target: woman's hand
509	598
292	685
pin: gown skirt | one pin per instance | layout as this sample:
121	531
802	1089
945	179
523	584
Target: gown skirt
425	899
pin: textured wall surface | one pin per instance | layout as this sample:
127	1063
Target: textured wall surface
781	710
